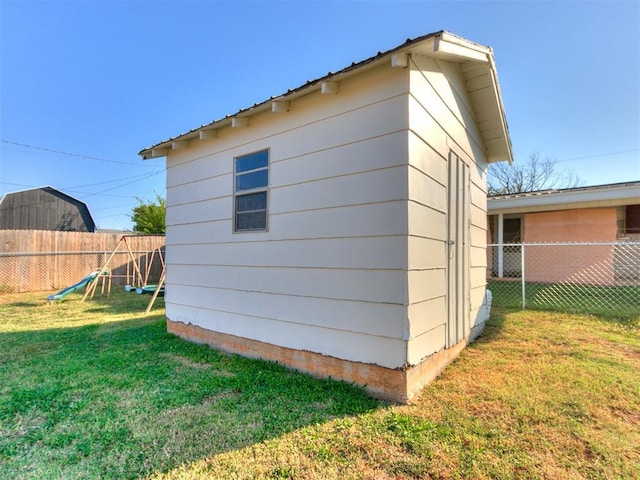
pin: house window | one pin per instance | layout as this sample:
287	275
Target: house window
251	179
512	230
632	219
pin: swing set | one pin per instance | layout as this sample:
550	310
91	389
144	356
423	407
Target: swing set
136	281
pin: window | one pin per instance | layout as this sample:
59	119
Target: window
632	219
251	179
512	230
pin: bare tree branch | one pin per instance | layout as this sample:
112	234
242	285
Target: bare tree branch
531	175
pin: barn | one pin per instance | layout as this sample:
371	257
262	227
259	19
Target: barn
44	208
340	228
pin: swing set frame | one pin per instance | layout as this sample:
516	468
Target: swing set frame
139	280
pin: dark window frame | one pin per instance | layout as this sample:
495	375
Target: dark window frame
244	192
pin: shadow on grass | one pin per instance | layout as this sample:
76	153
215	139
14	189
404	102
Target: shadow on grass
124	399
23	304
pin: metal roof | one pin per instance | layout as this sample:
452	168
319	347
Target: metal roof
439	44
612	194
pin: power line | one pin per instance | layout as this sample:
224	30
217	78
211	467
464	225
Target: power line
135	178
145	175
599	155
18	184
116	215
116	187
102	192
112	207
75	155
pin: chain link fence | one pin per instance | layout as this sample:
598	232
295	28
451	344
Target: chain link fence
46	271
601	278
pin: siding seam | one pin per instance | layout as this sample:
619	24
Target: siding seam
324	327
351	205
284	132
286	159
478	144
297	267
263	292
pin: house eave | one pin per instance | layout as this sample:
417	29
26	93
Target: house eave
613	195
442	45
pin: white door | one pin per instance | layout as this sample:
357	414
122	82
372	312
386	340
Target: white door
458	250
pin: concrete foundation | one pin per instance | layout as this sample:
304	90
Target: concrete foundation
394	385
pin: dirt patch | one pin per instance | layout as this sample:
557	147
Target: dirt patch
613	347
188	363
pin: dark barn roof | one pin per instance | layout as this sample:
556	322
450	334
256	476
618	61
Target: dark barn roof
44	208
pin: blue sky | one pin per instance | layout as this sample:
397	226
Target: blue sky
85	85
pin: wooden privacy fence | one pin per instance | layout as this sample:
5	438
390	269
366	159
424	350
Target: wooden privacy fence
40	260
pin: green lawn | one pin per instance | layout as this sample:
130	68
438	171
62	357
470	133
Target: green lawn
95	390
601	300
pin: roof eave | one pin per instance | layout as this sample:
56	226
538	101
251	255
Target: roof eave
162	149
442	44
450	47
583	197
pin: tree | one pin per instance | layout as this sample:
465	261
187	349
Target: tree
529	176
150	217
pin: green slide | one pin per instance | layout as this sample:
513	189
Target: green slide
63	293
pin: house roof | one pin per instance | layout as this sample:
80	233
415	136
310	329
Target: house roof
609	195
476	64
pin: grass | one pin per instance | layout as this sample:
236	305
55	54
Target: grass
94	390
602	300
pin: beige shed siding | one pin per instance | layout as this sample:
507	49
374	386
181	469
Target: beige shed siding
288	308
339	343
325	282
323	223
330	274
371	253
440	121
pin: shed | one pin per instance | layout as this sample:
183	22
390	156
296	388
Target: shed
44	208
340	228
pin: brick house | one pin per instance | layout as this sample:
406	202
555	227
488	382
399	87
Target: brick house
601	214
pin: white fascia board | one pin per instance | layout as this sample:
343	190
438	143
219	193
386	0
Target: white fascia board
450	47
503	118
158	152
507	151
544	202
